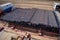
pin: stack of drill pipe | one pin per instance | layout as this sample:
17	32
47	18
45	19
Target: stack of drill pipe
6	7
45	20
37	18
19	15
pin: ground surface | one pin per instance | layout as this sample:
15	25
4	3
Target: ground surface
7	33
48	5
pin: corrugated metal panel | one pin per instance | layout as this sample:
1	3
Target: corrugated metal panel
35	16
